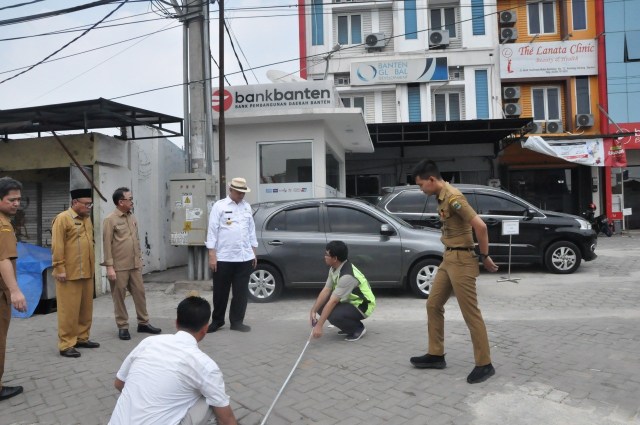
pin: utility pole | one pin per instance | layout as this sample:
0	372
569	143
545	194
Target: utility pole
222	154
194	14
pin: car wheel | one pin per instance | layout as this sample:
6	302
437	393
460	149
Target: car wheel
265	284
422	275
562	257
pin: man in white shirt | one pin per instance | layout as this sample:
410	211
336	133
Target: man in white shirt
167	380
232	243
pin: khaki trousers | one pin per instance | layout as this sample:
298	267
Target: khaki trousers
198	414
75	311
5	318
457	274
131	280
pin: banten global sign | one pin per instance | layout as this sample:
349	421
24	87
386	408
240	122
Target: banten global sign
270	97
399	71
549	59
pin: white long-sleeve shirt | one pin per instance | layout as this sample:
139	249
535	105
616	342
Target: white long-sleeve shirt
232	231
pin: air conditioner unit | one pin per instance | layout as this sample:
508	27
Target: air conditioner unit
512	109
584	120
536	128
438	38
511	92
508	17
508	34
377	40
554	127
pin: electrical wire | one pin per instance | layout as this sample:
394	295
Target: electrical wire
218	66
29	18
235	53
20	4
241	50
66	45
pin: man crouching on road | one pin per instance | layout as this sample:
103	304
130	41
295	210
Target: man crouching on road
346	299
166	379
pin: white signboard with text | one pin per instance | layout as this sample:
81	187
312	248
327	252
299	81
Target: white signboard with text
549	59
399	71
271	97
510	227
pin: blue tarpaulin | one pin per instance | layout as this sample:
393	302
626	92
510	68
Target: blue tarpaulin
32	261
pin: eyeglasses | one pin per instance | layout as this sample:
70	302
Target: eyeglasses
87	204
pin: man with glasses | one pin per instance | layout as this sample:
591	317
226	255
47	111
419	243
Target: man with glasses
73	265
123	259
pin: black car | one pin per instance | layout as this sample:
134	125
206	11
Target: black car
556	240
292	237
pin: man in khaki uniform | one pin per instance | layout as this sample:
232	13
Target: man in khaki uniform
73	262
10	294
457	273
123	259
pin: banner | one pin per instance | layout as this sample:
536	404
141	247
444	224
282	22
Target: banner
627	142
583	151
549	59
266	98
399	71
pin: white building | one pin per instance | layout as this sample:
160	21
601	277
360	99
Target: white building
410	62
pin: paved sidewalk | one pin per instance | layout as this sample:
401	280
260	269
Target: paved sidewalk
565	348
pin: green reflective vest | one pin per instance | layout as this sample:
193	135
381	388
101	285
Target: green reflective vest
361	297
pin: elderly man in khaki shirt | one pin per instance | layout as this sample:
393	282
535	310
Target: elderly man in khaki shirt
123	259
73	262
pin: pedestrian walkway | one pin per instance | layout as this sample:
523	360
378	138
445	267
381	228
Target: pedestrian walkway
565	349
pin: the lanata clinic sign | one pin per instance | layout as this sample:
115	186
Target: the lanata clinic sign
271	97
399	71
549	59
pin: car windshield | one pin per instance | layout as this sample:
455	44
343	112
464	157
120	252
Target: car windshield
394	218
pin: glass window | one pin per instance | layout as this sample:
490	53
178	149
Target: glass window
579	9
542	17
285	162
317	25
296	220
333	169
447	106
546	103
409	201
349	220
410	20
413	95
349	29
632	46
444	19
482	94
353	102
497	205
477	15
582	95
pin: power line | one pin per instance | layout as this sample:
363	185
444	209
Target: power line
66	45
57	12
20	4
242	51
235	53
218	66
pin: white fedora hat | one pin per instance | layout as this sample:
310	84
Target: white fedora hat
239	184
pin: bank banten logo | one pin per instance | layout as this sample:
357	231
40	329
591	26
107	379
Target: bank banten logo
366	72
215	100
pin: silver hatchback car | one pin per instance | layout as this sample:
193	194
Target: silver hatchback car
292	236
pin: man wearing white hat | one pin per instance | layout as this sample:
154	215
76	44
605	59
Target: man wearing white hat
232	243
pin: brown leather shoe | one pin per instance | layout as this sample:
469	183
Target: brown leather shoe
70	352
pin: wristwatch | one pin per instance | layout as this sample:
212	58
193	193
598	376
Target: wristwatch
482	257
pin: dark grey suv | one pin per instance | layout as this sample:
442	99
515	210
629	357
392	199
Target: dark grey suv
292	236
556	240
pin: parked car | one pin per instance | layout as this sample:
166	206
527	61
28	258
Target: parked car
556	240
292	237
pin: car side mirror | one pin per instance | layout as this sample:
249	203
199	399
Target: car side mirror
387	230
529	214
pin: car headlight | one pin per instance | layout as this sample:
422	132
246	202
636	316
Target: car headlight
584	224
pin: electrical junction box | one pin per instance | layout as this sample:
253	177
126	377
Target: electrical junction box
192	195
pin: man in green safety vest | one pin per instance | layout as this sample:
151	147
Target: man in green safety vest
346	299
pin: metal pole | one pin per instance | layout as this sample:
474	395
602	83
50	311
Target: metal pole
185	92
222	155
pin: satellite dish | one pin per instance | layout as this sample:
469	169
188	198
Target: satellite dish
277	76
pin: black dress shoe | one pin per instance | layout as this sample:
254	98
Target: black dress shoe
149	329
70	352
240	327
87	344
124	334
214	327
8	392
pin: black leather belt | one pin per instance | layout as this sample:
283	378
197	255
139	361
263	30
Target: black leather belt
458	248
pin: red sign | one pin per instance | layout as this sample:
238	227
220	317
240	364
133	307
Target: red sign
215	100
627	142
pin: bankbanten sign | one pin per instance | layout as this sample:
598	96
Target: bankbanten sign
399	71
549	59
270	97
